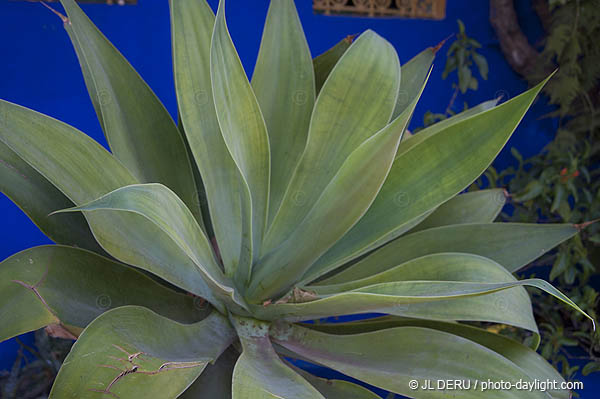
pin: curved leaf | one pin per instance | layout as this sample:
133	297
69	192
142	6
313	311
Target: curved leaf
429	173
215	380
243	128
345	199
284	84
385	297
482	206
344	117
57	284
74	163
260	373
445	266
390	358
192	26
159	207
133	352
37	197
138	128
513	245
511	307
527	359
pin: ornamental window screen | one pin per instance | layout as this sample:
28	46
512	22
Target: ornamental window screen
429	9
109	2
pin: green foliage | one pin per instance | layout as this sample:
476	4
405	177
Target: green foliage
462	57
175	300
571	44
561	184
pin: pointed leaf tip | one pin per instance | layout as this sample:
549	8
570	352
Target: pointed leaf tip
438	46
61	16
584	225
350	38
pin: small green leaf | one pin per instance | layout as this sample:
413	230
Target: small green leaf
482	65
560	265
591	367
533	189
559	196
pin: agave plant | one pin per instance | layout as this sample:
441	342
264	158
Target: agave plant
190	258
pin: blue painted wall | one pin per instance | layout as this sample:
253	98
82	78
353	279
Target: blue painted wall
39	69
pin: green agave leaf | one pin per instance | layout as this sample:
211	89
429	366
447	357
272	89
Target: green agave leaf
446	266
156	206
74	163
138	128
345	199
344	117
243	128
70	286
215	380
446	123
336	389
37	197
391	358
133	352
84	171
284	84
513	245
324	63
525	358
397	293
437	301
259	372
414	74
482	206
192	24
428	174
204	220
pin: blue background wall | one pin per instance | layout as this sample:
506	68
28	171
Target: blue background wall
39	70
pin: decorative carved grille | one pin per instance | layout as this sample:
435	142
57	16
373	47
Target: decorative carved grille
430	9
119	2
